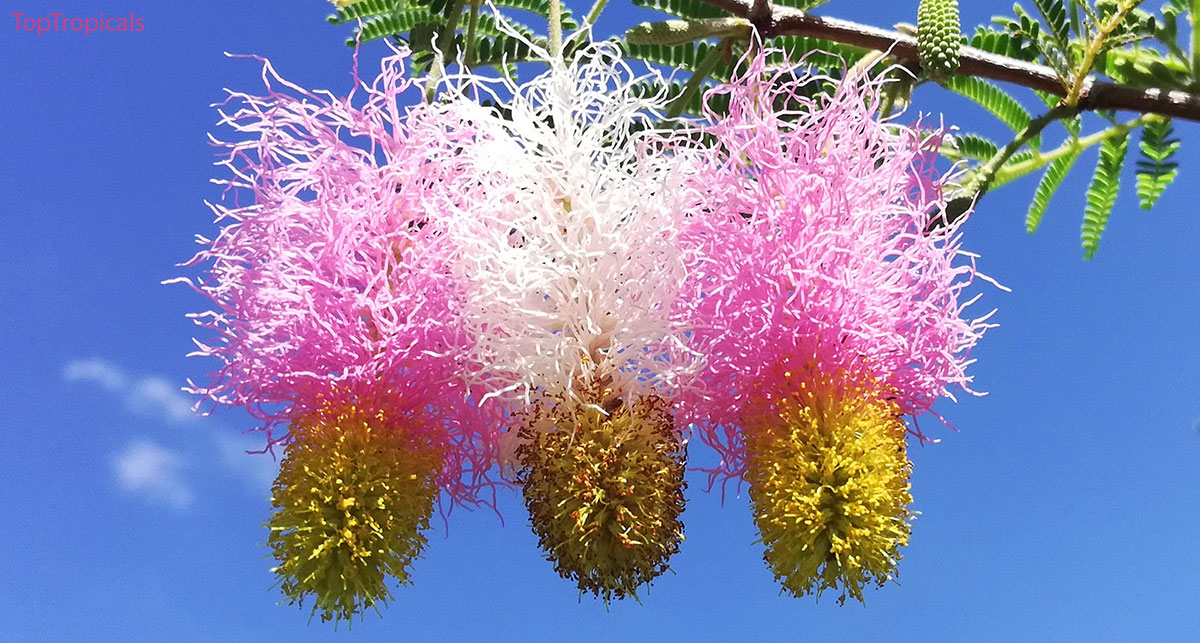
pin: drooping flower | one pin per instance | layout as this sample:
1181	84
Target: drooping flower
336	315
355	490
568	231
828	312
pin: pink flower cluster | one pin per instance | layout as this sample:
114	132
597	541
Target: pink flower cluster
818	253
334	276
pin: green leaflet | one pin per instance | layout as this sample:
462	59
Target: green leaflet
680	32
392	24
542	9
1003	43
366	9
686	57
975	147
1156	170
993	99
1055	14
498	50
683	8
1047	186
825	55
1102	193
803	5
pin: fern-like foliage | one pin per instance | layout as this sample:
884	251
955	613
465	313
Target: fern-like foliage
803	5
1003	43
995	100
1054	12
392	24
1051	179
974	146
421	23
540	8
683	8
1156	170
1102	192
825	55
686	57
365	9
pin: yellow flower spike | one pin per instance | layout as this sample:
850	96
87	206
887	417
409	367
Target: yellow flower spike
604	493
829	486
353	495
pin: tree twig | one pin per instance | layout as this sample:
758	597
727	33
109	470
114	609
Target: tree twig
1095	94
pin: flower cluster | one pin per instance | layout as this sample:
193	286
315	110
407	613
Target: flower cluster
829	311
542	285
337	317
567	227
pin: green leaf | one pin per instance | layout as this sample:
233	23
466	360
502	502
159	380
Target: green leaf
1004	43
486	26
365	9
1102	193
803	5
1156	170
1056	58
541	8
1024	25
1055	14
821	54
679	32
1047	186
683	8
392	25
686	57
993	99
499	50
976	147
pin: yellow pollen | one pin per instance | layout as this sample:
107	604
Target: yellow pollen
355	490
604	492
829	486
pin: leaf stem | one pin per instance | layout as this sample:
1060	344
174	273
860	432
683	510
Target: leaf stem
1194	17
1094	47
974	189
983	177
1017	170
702	71
555	29
592	16
469	55
448	33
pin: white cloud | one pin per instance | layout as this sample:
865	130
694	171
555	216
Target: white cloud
153	473
97	371
153	397
157	397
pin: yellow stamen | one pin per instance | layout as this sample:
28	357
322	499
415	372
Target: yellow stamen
829	486
353	495
604	491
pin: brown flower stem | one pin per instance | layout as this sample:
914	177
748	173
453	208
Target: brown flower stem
1094	94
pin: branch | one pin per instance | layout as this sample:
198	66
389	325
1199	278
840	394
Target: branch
1095	95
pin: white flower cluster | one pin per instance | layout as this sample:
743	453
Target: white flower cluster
568	230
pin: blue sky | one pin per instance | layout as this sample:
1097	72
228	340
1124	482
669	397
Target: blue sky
1066	506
